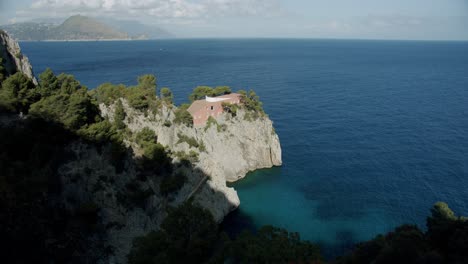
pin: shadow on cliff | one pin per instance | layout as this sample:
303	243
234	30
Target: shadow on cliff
33	216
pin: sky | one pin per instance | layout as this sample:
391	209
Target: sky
355	19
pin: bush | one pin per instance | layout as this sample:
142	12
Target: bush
273	245
143	96
119	115
182	116
3	72
145	137
17	93
201	91
191	141
191	157
167	95
48	83
188	235
251	102
155	157
211	121
108	93
230	108
72	110
167	123
101	132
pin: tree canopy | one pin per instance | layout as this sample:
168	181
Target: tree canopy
201	91
17	93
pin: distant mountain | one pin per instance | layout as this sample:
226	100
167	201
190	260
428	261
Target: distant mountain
74	28
137	30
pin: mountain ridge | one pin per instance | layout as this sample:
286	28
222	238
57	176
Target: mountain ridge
82	28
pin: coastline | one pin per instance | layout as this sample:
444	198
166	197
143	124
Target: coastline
79	40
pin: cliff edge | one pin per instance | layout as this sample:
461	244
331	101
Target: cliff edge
13	60
226	150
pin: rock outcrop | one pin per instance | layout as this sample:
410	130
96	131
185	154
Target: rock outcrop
226	152
232	147
13	60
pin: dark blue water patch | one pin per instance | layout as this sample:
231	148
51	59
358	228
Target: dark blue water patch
372	132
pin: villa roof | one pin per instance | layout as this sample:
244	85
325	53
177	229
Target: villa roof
200	104
197	105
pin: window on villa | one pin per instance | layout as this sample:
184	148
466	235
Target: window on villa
211	107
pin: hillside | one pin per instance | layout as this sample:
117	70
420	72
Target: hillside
74	28
82	27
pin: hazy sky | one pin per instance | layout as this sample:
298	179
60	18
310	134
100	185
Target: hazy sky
376	19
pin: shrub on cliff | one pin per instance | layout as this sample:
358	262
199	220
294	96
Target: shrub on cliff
182	116
445	241
187	235
119	115
251	102
17	93
201	91
167	95
3	73
48	83
273	245
72	110
108	93
155	157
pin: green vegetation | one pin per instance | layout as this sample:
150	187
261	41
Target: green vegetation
190	235
3	73
187	235
251	102
201	91
17	93
191	141
167	95
155	158
273	245
167	123
445	241
101	132
48	83
73	109
119	115
143	95
191	157
230	108
182	116
108	93
211	121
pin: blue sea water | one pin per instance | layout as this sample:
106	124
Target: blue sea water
373	132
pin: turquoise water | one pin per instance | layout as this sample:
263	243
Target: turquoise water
373	132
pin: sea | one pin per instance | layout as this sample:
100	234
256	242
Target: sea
373	132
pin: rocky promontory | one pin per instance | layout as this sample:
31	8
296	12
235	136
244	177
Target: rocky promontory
13	60
231	148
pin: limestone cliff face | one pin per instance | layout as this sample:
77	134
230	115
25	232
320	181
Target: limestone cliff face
14	61
232	147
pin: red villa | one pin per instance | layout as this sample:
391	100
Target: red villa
201	110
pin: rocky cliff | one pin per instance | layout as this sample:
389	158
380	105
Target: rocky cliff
13	59
131	207
232	147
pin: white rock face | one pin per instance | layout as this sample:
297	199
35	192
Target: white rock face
13	59
237	147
